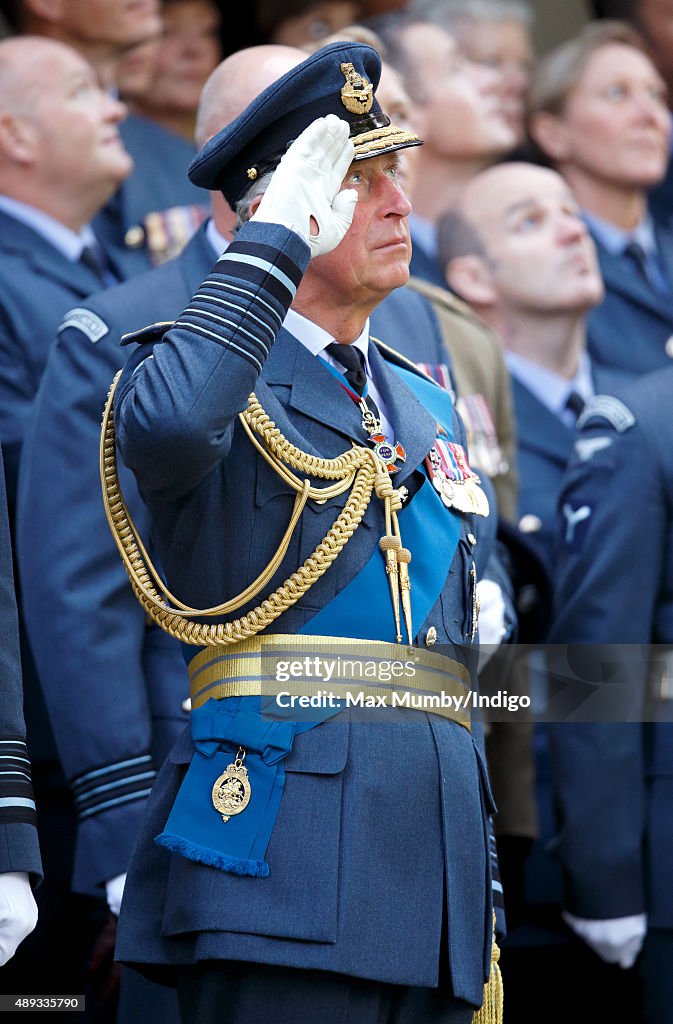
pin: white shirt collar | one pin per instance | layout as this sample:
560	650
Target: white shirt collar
549	387
316	339
217	241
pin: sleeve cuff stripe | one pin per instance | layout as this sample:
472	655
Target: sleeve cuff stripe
114	785
269	255
227	344
204	306
263	265
141	795
252	296
130	762
199	314
16	801
258	280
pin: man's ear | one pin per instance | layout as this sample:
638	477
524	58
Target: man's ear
48	10
550	133
470	278
254	205
17	139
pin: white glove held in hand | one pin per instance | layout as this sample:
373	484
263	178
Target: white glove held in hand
617	941
491	619
114	890
306	185
18	912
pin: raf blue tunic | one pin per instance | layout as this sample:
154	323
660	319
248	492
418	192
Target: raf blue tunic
363	850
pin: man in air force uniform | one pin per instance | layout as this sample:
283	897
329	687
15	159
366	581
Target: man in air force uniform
351	833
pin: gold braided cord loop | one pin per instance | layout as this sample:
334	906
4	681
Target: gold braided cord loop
358	468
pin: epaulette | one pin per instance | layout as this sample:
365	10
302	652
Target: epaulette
610	410
150	333
408	363
84	320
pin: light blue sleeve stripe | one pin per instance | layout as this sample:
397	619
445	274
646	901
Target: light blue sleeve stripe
111	768
263	265
16	801
126	781
141	794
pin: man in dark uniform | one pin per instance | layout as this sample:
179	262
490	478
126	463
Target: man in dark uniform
614	780
20	864
297	909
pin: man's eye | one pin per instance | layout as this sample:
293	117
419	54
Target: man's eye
529	222
355	178
615	91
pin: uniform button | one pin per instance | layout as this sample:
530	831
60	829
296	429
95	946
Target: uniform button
431	637
530	524
472	539
669	347
187	704
135	237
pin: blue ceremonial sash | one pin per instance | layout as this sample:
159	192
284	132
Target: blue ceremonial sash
220	727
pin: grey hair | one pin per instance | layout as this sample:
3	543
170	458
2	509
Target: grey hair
243	208
448	12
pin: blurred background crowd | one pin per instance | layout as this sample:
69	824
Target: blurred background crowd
543	263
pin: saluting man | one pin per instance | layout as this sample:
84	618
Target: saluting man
291	855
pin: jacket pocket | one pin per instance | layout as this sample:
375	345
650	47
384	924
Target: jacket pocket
298	900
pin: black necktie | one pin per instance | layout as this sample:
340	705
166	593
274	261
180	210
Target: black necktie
93	258
353	361
637	256
575	403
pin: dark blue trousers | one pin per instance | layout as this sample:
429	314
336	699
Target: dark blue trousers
227	992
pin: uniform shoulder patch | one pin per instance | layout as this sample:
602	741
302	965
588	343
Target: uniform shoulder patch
85	321
609	409
150	333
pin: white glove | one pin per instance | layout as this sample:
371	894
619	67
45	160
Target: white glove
617	941
306	185
491	618
114	890
18	912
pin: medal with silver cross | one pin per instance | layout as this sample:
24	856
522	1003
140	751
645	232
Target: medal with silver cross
389	452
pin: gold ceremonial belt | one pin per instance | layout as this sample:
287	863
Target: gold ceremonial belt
351	670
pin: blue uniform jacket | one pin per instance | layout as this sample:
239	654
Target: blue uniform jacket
614	782
95	656
356	859
37	285
632	327
544	445
19	847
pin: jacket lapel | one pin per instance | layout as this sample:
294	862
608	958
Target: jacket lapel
45	259
620	278
538	428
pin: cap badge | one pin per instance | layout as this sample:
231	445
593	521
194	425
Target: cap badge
357	95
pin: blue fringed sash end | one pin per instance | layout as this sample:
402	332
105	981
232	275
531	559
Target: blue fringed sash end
214	858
